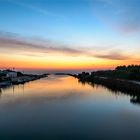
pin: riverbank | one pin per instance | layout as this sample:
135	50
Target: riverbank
114	84
129	87
21	79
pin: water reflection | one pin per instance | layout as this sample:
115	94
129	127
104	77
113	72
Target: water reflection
51	88
59	107
0	92
134	97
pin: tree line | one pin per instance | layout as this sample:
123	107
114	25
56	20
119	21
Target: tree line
130	72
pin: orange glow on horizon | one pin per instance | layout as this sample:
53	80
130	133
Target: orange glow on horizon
57	62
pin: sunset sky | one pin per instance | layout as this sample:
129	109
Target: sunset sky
61	35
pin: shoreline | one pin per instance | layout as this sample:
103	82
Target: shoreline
21	80
128	87
123	85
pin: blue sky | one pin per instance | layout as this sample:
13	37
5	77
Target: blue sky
57	20
103	26
71	21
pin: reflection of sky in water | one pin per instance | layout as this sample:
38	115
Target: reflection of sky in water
60	106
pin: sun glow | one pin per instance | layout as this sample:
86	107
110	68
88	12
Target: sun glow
57	62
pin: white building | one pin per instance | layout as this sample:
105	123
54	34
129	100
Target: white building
11	74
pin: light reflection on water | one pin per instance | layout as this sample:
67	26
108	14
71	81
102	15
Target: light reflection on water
59	107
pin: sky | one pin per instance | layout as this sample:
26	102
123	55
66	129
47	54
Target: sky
69	35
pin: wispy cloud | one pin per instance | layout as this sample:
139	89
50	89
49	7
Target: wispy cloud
113	55
34	47
11	43
34	8
124	15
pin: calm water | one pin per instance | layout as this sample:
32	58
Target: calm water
59	107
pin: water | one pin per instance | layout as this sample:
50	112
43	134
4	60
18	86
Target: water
59	107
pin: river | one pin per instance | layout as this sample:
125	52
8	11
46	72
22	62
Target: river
60	107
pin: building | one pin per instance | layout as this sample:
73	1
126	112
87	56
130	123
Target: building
11	74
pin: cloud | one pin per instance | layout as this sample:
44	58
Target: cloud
124	15
34	47
33	8
113	56
16	44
